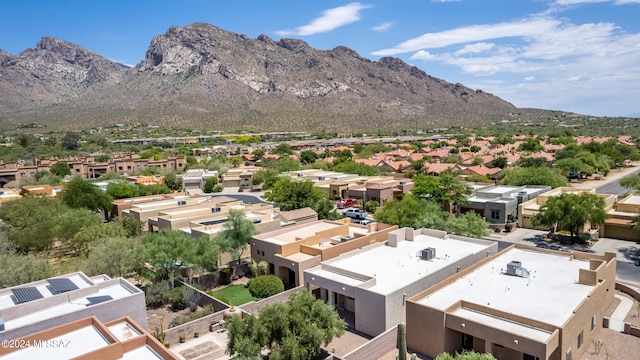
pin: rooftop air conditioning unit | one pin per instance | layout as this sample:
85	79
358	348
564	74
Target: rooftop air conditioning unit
428	253
215	209
182	202
347	238
512	266
515	268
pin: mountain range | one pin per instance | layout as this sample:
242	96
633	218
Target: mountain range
202	77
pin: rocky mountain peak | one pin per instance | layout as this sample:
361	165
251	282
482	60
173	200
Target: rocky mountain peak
201	76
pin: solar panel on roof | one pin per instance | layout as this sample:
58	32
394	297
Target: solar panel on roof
98	299
25	294
61	285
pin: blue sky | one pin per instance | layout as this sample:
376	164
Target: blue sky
573	55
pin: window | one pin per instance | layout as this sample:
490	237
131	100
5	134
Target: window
569	355
529	357
495	214
580	339
594	321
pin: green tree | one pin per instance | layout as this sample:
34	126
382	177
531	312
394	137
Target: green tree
286	164
308	157
265	286
293	330
443	190
531	145
236	234
411	211
172	182
20	269
258	153
114	256
289	194
210	184
267	177
70	141
60	169
121	189
283	149
325	209
533	176
499	162
167	251
571	212
84	194
352	167
570	166
95	232
28	221
69	224
470	224
631	182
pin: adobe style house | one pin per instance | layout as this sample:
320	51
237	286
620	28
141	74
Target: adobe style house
522	303
91	338
528	209
292	250
620	225
86	167
370	285
43	304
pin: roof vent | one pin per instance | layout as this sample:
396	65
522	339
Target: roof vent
215	209
514	268
182	202
347	238
428	253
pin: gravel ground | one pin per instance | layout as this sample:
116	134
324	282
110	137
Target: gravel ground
616	345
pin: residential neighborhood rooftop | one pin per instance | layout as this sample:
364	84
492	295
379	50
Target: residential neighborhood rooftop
395	267
549	294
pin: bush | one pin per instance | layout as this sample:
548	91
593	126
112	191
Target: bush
176	298
265	286
225	276
156	294
183	319
508	227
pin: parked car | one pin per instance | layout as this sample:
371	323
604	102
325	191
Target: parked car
345	203
356	214
362	222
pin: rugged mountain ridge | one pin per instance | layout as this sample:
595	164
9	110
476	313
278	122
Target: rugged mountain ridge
200	76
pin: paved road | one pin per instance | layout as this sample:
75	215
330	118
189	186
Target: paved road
614	187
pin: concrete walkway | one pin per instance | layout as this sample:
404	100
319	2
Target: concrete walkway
616	321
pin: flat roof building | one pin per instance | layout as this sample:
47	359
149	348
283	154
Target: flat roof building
90	338
290	251
43	304
370	285
528	209
522	303
620	224
499	204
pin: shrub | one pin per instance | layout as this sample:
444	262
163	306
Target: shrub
183	319
156	294
508	227
265	286
225	276
176	298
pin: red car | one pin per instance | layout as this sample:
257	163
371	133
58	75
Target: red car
345	203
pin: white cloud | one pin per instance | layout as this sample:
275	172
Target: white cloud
383	27
475	48
527	27
330	20
529	78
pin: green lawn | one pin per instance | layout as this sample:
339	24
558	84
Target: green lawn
237	294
